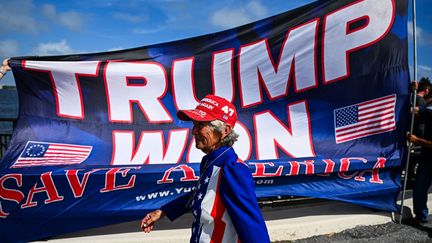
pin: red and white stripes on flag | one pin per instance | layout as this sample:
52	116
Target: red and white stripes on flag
365	119
52	154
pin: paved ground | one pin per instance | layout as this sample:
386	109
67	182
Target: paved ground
318	221
389	232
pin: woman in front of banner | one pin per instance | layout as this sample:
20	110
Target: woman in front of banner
224	203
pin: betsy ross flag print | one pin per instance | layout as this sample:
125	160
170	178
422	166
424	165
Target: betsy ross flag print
51	154
365	119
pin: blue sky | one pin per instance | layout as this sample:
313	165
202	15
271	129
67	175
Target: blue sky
70	26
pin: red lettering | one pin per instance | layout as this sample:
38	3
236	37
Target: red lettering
110	179
375	172
188	172
74	182
295	167
330	165
48	187
10	194
260	170
2	213
345	162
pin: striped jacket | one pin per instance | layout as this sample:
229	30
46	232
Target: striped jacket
224	203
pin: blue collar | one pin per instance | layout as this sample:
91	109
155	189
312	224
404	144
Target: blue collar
215	153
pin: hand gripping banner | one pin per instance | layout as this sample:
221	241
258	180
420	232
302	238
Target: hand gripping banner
322	97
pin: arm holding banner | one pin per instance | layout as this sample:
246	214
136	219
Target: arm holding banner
419	141
4	68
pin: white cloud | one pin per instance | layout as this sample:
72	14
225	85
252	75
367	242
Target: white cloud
229	17
18	16
425	68
53	48
23	16
257	9
49	10
70	19
423	37
143	31
8	48
424	71
130	18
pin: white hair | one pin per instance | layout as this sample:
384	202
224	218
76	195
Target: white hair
230	139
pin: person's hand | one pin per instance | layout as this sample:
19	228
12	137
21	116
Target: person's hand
4	68
5	65
412	138
414	85
148	221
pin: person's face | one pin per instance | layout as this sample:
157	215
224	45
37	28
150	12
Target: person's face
207	138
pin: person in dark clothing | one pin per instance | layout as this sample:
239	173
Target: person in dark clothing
423	89
423	178
422	92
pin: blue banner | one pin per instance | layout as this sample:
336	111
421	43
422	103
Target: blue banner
322	99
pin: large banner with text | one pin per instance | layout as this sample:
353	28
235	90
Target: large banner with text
322	97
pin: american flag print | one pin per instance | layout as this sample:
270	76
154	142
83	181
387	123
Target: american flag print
365	119
52	154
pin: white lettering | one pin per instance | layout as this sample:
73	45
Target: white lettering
120	94
150	149
67	90
256	61
295	140
183	84
222	74
339	41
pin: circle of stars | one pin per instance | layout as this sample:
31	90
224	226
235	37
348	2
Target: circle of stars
35	150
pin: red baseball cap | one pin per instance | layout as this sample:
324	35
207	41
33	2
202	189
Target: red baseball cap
211	108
